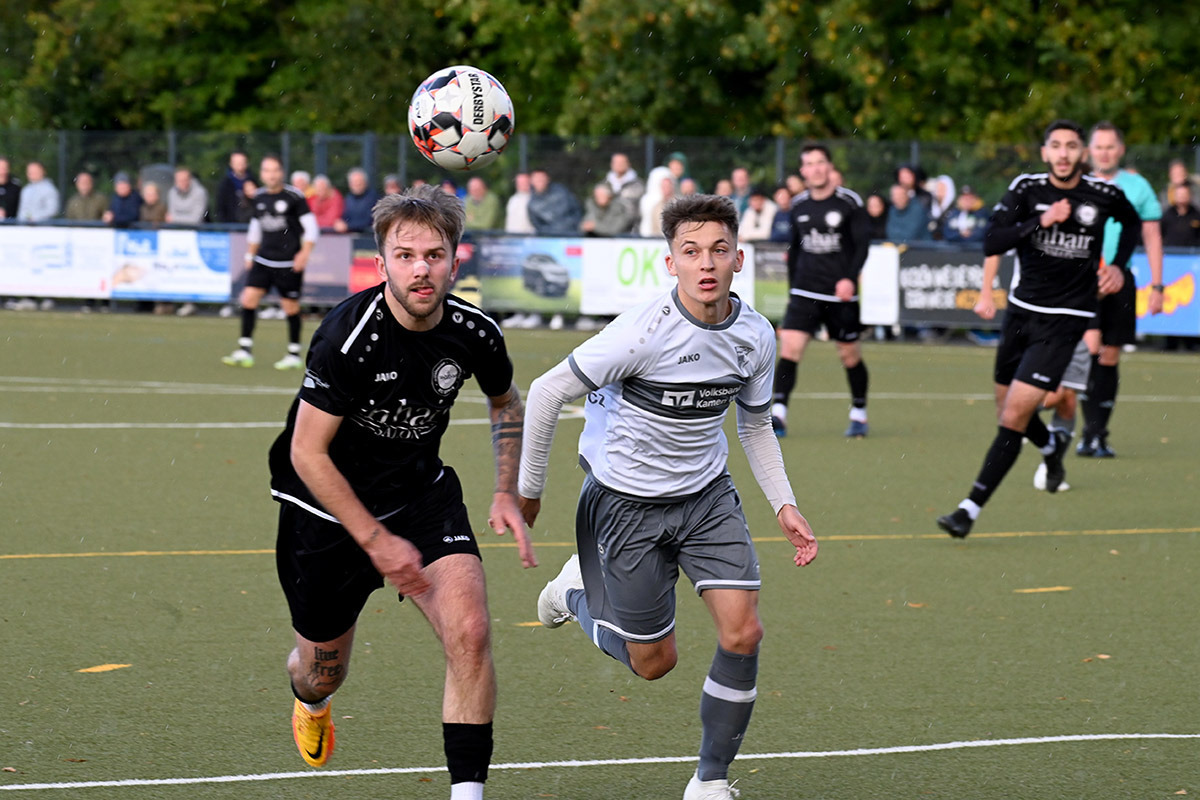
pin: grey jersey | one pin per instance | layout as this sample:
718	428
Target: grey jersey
661	381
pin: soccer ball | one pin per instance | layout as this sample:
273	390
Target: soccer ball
460	118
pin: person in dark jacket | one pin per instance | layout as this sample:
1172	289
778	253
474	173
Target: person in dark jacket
125	206
552	207
230	189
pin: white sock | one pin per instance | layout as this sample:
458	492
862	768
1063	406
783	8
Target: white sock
971	508
318	706
858	414
779	410
467	790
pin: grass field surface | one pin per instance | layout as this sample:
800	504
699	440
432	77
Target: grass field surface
1052	654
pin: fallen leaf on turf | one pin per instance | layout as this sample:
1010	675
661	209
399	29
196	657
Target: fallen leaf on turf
104	668
624	699
601	727
915	605
75	760
1087	660
425	780
753	770
1182	791
529	624
829	647
348	716
10	769
1103	656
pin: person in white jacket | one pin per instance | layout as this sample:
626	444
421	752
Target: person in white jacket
757	219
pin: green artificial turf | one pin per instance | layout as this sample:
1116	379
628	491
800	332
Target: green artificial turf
138	531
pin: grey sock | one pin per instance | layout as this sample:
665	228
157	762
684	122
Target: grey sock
725	709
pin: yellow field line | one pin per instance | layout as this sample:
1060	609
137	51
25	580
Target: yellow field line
845	537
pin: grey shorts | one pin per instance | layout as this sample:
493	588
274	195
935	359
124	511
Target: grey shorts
1076	376
631	551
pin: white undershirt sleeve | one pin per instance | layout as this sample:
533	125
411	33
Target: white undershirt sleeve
766	459
547	395
254	232
312	231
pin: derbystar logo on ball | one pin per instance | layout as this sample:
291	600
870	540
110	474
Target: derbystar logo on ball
460	118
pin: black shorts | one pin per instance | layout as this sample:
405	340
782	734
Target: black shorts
842	320
286	280
1036	348
327	577
1117	318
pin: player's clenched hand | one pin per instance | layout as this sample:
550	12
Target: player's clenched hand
507	516
300	262
985	307
796	528
1059	211
398	561
844	290
1111	279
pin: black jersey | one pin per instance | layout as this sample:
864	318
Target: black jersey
279	214
393	387
830	241
1058	266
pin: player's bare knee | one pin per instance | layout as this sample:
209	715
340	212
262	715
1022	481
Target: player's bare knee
744	639
469	641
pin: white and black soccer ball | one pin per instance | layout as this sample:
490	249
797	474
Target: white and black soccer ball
460	118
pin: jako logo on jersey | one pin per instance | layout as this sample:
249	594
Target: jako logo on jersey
459	538
689	358
380	377
679	399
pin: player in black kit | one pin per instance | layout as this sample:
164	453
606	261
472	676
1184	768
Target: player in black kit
831	236
364	496
1055	220
280	239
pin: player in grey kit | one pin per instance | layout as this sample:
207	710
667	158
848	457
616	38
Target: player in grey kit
657	497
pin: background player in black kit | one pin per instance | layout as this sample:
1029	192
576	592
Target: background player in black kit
1056	221
364	495
280	239
830	239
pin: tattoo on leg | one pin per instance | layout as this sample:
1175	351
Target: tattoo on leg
325	655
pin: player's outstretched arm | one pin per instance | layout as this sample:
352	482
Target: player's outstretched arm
396	558
547	395
797	530
766	462
506	412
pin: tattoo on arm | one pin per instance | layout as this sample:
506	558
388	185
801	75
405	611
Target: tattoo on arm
507	427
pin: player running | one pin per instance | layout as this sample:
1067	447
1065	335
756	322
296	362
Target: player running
658	497
364	496
1055	220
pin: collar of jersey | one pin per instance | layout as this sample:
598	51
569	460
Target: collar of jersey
720	326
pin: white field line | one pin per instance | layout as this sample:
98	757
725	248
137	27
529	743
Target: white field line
105	386
568	412
600	762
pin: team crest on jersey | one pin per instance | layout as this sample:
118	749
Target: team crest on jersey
447	377
1086	214
280	206
833	219
743	353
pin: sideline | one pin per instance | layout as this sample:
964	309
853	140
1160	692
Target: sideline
603	762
